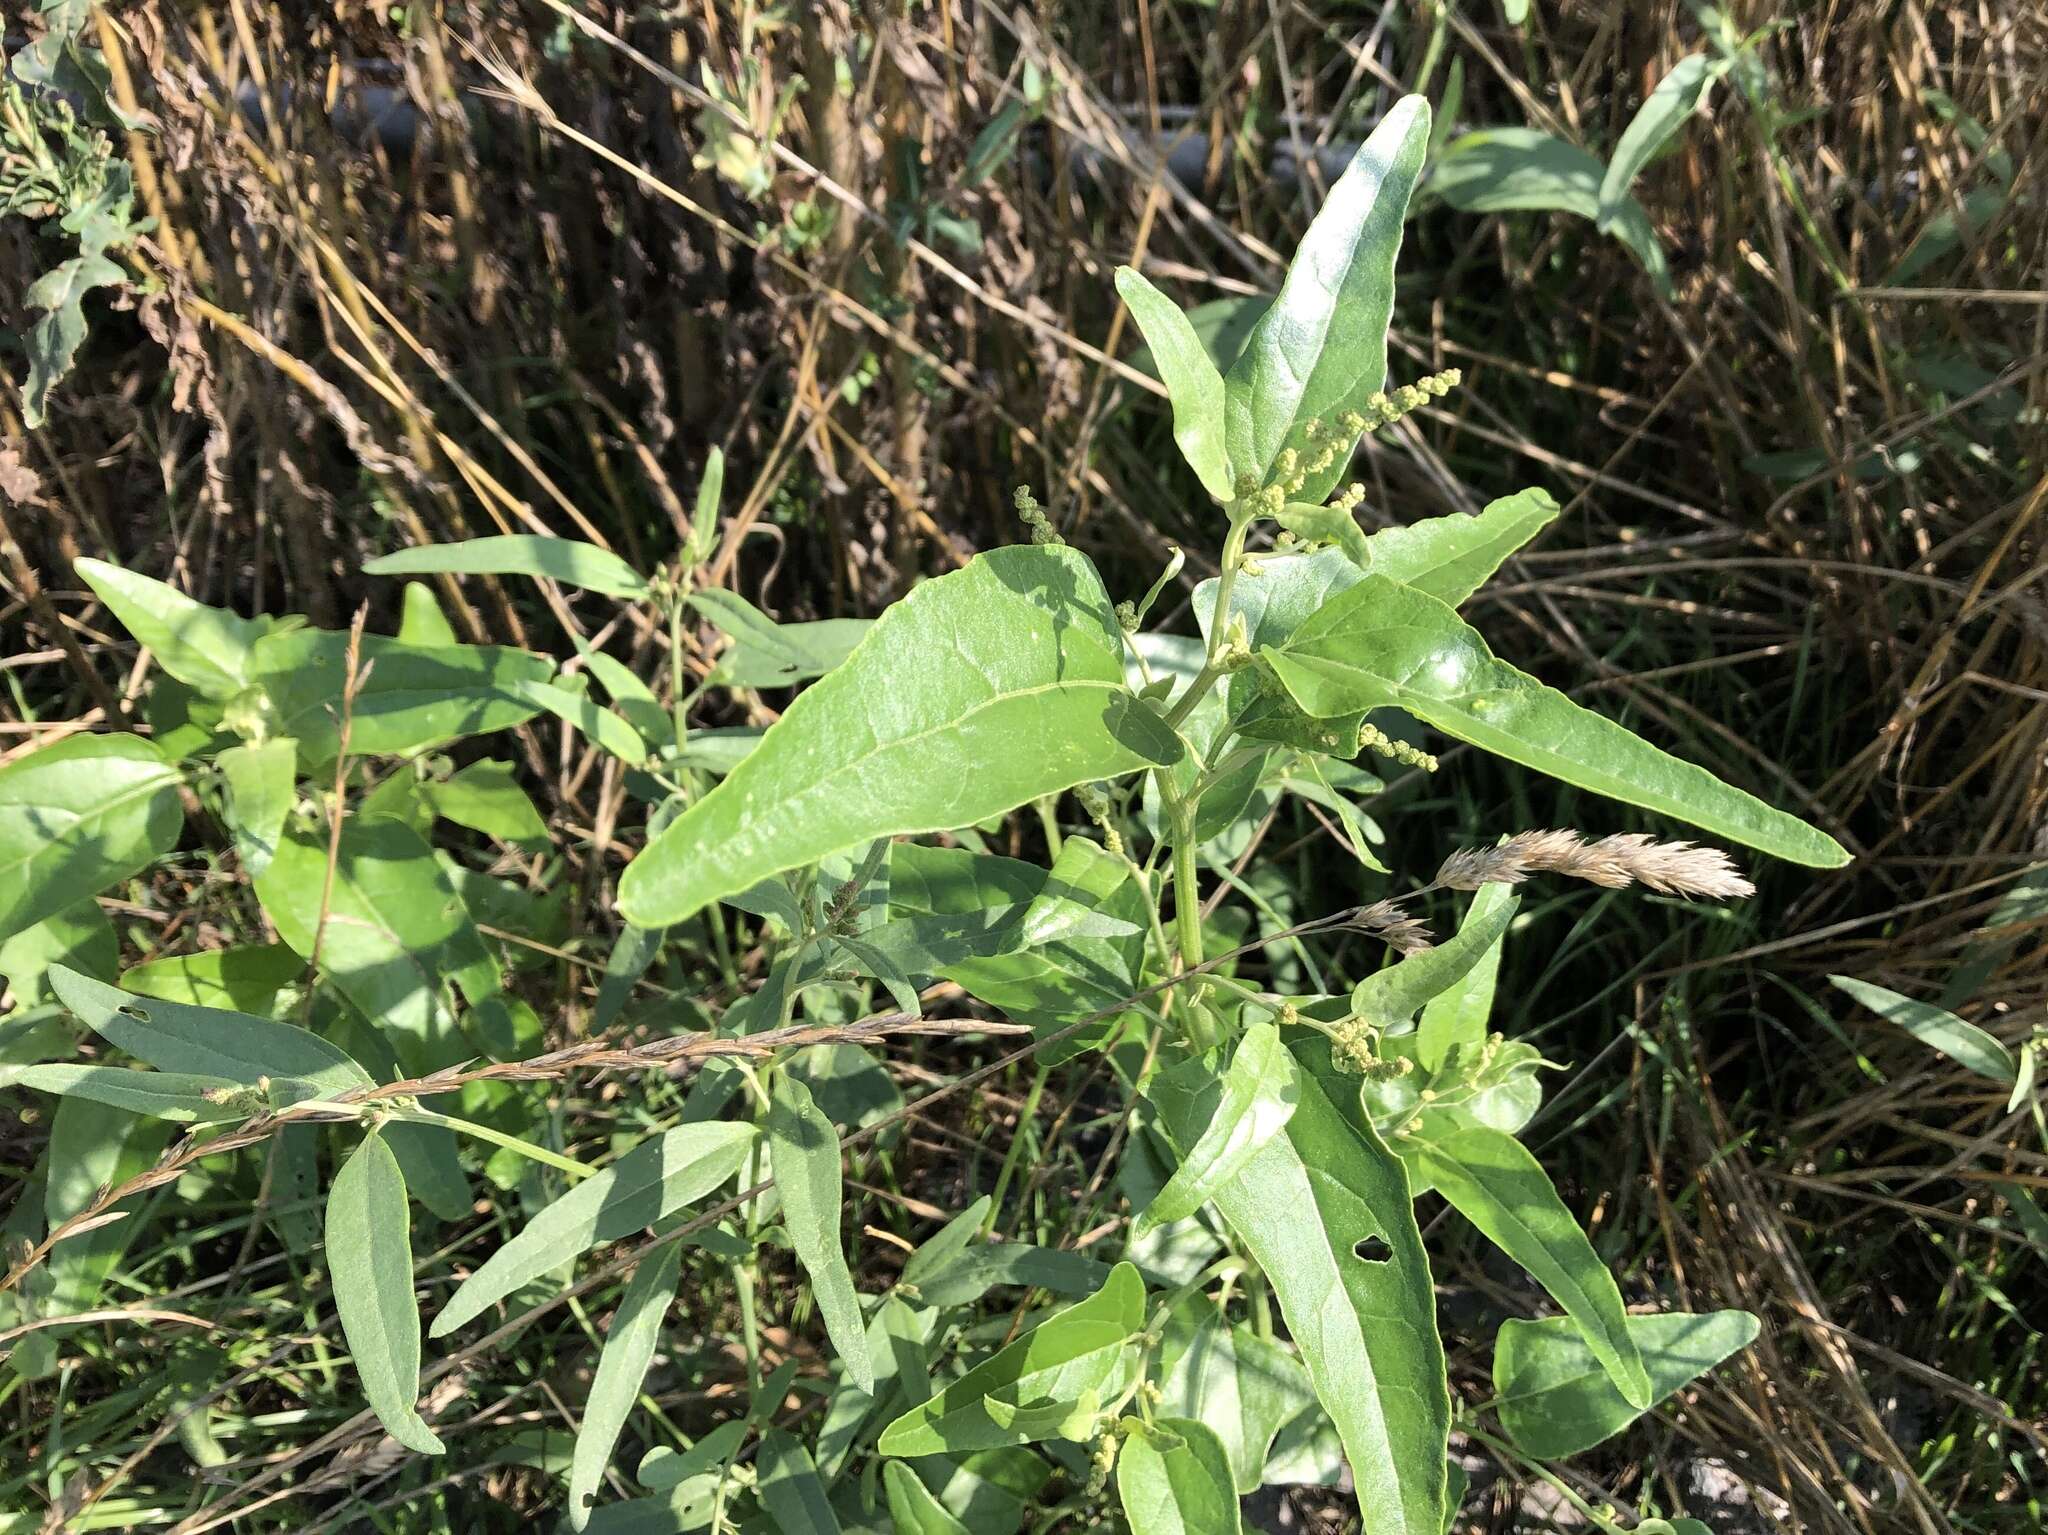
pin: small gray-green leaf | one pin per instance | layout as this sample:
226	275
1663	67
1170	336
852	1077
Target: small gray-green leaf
519	554
1258	1099
169	1095
1174	1479
1675	99
208	1041
1938	1029
369	1255
1493	1181
803	1155
1556	1399
1003	682
654	1179
704	517
767	654
791	1492
628	1348
1379	644
1458	1014
78	816
259	781
1321	349
1191	379
1391	997
1451	557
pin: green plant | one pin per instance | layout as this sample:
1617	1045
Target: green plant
1278	1135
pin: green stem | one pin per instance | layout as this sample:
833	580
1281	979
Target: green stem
1009	1167
541	1154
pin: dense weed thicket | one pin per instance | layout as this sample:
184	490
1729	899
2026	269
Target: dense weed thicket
747	778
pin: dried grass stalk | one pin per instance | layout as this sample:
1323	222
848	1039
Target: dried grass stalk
1395	926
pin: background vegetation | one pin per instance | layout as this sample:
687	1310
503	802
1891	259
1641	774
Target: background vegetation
382	275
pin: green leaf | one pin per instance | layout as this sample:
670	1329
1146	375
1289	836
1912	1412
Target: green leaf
208	649
1556	1399
485	797
654	1179
704	517
1326	525
912	1508
803	1155
1324	1210
662	1467
791	1494
967	1276
260	780
421	621
1662	114
77	817
245	980
629	1344
53	341
369	1257
79	936
1389	998
1191	379
92	1147
207	1042
766	654
1938	1029
1286	591
1321	349
592	720
397	932
1174	1479
1243	1386
1452	557
519	554
160	1094
1457	1015
1494	1182
1380	645
1004	682
410	697
1082	1350
1497	169
1258	1099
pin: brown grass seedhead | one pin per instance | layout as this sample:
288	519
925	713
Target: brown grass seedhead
1671	868
1395	926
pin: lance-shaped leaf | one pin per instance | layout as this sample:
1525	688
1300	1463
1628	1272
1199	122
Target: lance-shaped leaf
1675	99
1961	1041
1173	1478
1257	1100
1556	1399
519	554
791	1491
980	691
1192	382
206	648
1457	1015
1321	349
210	1042
628	1349
78	816
369	1256
1391	997
1452	557
654	1179
767	654
803	1155
912	1507
1494	1182
1380	644
1325	1211
1243	1386
1080	1353
173	1095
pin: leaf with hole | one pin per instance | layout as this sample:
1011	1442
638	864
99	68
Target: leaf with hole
1324	1210
369	1255
655	1179
1556	1398
918	730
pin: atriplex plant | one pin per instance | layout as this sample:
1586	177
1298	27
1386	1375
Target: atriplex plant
1278	1135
